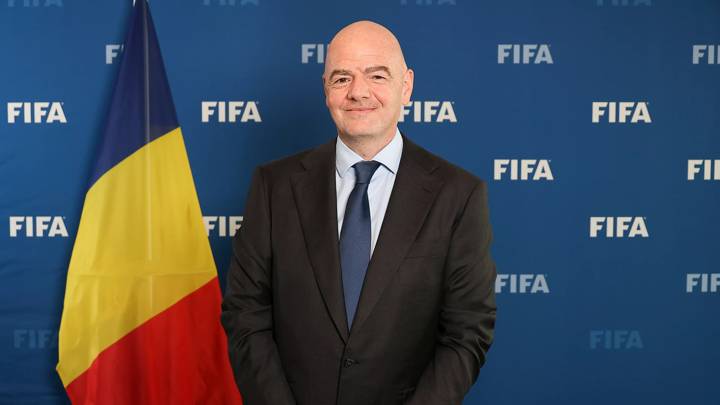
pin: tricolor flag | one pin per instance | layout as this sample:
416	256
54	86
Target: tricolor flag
141	319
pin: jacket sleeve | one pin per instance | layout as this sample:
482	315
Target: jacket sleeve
467	314
247	306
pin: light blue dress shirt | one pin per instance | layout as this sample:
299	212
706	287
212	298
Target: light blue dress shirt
381	183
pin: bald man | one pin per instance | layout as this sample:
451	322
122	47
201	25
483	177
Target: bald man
362	273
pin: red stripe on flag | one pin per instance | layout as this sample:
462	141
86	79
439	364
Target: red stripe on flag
177	357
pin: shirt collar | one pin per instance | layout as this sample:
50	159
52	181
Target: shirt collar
389	156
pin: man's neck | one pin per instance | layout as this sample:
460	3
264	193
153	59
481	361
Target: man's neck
367	146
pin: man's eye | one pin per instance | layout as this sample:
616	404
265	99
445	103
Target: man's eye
378	77
341	80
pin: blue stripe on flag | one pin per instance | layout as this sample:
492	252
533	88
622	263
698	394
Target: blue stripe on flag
141	67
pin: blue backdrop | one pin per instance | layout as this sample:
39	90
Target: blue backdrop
595	123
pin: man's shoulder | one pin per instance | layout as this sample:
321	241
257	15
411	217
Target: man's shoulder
299	161
289	163
452	175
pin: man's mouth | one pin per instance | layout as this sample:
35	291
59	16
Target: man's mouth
360	109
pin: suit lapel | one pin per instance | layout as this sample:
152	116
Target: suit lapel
413	193
314	191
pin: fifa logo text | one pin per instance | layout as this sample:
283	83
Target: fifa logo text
429	111
521	283
615	339
620	112
36	226
524	54
710	169
702	282
523	169
38	112
222	225
229	111
312	53
618	227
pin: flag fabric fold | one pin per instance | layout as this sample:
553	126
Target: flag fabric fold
141	316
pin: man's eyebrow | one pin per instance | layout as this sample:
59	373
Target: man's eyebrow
373	69
339	72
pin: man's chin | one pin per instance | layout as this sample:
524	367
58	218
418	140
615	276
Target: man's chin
362	132
359	134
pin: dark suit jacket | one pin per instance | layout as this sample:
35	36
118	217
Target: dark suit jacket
426	314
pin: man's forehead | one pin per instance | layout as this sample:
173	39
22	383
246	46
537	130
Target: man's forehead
361	45
362	61
360	49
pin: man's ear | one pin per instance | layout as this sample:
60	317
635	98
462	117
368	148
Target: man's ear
408	79
323	85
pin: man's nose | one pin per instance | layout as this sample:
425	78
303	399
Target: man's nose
359	89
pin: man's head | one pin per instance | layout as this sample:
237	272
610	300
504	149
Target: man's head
366	81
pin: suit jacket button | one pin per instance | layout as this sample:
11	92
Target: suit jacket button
349	362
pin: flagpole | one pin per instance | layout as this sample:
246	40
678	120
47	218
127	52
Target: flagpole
146	73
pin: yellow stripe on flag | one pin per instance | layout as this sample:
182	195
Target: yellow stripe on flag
123	270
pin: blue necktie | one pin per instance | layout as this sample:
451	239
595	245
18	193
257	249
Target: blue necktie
355	237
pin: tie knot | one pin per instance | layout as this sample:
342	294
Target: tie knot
364	171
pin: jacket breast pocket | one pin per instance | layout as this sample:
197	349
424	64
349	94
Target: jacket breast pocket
428	248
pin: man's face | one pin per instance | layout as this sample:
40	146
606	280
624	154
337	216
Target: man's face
366	85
